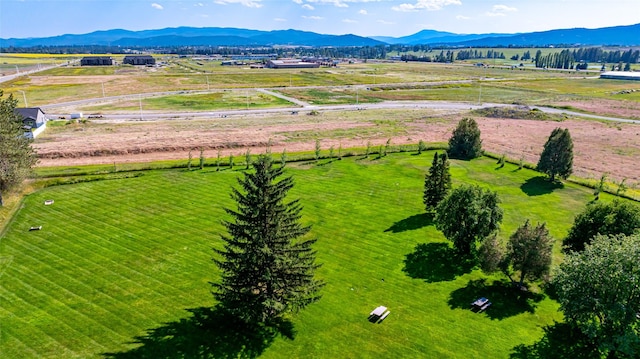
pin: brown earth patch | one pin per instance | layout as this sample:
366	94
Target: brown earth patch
604	107
599	147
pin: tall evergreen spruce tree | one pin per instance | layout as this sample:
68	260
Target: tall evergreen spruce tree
557	156
16	155
437	182
267	268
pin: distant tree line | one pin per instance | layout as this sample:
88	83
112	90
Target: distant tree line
478	54
567	59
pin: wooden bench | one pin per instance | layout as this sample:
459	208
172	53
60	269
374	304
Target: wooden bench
384	316
484	306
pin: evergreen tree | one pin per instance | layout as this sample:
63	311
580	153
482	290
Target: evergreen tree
557	156
16	155
267	269
437	183
465	142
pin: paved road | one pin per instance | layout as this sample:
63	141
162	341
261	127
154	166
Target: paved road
32	71
436	105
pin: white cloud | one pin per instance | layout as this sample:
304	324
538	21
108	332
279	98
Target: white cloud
462	17
312	17
337	3
503	8
349	21
500	10
157	6
247	3
363	12
198	4
308	7
429	5
298	1
279	19
384	22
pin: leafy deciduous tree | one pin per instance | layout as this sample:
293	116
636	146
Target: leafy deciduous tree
437	183
557	156
616	217
467	215
529	251
465	142
599	291
267	268
16	155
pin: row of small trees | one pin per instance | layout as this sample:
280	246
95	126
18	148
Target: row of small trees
598	282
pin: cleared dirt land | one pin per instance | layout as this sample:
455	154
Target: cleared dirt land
599	147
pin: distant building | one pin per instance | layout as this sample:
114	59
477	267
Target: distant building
291	64
620	75
144	60
33	120
96	61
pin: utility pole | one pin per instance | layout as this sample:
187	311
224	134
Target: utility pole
140	101
103	95
24	97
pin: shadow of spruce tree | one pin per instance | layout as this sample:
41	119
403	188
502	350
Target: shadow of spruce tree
507	300
436	262
208	333
540	185
414	222
560	341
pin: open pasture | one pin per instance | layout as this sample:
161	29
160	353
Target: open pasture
212	100
121	267
72	83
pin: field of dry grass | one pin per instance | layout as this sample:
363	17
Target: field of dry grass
600	147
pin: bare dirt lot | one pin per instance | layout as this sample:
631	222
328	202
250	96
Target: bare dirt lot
599	147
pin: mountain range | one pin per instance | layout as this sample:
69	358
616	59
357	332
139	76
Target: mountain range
628	35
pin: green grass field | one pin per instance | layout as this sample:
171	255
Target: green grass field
121	266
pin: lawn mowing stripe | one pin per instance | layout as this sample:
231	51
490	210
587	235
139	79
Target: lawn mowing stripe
36	341
16	348
59	274
57	297
82	246
52	314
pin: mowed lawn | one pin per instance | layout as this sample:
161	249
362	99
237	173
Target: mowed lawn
117	260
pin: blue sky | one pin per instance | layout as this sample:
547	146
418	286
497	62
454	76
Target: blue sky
40	18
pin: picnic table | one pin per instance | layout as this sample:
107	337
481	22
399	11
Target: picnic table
378	314
481	304
378	311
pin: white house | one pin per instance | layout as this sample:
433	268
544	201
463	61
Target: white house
33	119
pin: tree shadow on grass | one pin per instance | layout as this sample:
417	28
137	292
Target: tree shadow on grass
208	333
506	299
416	221
560	341
536	186
436	262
